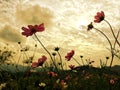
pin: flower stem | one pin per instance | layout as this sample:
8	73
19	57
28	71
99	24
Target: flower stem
82	62
76	61
60	60
46	51
106	62
117	37
116	40
109	44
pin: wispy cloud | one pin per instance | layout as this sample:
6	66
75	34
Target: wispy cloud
34	15
10	34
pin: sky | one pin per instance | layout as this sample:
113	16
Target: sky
65	25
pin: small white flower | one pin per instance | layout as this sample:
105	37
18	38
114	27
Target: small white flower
74	70
2	85
42	84
58	80
65	85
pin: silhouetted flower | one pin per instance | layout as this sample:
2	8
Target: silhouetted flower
107	57
25	49
53	53
59	63
71	66
90	26
81	56
35	45
91	62
99	17
69	55
32	29
19	42
56	48
29	60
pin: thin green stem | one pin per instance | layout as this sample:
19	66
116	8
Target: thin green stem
106	62
112	54
60	60
116	37
116	40
76	61
82	61
46	51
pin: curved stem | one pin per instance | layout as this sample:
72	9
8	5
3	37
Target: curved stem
117	37
46	50
109	44
112	32
60	59
76	60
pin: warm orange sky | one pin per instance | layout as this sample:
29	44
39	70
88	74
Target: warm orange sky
65	24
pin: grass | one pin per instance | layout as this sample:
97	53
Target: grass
80	78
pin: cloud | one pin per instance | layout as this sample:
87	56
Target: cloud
10	34
34	15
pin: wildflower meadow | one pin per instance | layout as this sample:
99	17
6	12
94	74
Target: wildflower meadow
49	72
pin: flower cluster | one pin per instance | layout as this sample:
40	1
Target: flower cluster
40	62
32	29
70	55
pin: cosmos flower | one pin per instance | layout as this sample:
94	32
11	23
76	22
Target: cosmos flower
68	77
99	17
40	62
71	66
64	85
107	58
112	81
56	48
52	74
2	85
69	55
32	29
90	26
34	64
42	84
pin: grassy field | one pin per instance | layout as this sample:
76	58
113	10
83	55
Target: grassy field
78	78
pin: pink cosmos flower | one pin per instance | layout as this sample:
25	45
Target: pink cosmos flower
30	30
40	62
68	77
69	55
34	64
112	81
99	17
52	74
